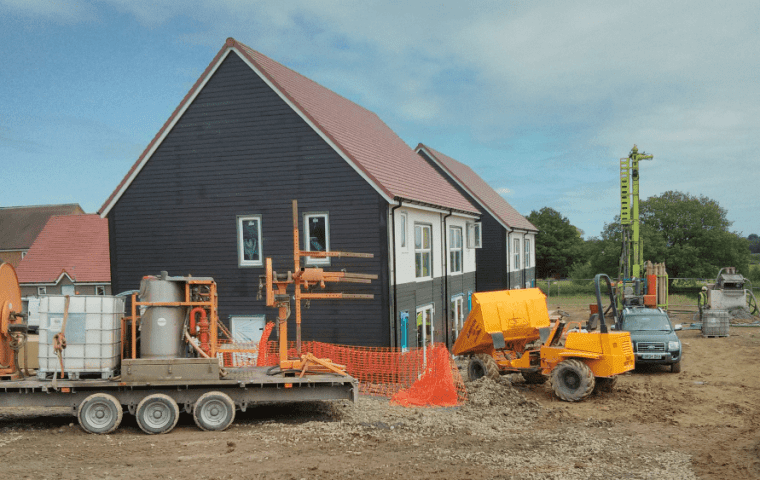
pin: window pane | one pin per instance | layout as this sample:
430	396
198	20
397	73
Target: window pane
317	234
251	240
417	236
426	264
402	227
426	237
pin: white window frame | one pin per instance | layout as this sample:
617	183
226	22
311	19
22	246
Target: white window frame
423	251
306	235
242	262
474	235
454	249
99	288
457	313
424	339
41	290
516	253
527	252
403	220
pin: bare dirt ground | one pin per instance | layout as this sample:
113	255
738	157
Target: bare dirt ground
701	423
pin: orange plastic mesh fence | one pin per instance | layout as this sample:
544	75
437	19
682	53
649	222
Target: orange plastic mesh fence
416	377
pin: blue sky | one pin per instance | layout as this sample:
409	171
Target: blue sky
539	98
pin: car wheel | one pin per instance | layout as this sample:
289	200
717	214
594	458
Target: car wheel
676	367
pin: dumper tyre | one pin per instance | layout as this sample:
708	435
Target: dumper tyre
572	380
157	414
605	384
534	378
214	411
100	413
482	365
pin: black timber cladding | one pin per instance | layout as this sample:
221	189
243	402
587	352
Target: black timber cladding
239	149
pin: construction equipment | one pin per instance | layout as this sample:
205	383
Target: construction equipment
13	329
631	280
510	331
162	358
303	279
717	301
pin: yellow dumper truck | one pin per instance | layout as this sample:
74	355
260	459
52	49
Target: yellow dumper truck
510	331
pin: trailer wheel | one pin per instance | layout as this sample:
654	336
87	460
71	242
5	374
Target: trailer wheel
572	380
482	365
534	378
157	413
605	384
100	413
214	411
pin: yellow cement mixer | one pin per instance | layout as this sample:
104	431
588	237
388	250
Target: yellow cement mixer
510	331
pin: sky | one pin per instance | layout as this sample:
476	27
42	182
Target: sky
541	99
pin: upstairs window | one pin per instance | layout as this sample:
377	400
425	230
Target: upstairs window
527	253
516	263
474	235
100	289
455	249
317	236
41	290
249	241
402	230
423	252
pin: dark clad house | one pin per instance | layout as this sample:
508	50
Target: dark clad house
211	196
507	256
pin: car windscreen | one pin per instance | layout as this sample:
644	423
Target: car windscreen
647	322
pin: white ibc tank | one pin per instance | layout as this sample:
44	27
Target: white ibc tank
93	335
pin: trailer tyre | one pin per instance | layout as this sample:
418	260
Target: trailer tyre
482	365
572	380
157	413
214	411
100	413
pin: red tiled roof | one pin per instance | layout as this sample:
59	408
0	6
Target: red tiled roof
19	226
75	244
359	135
479	190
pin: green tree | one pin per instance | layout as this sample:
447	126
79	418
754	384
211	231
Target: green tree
558	243
690	234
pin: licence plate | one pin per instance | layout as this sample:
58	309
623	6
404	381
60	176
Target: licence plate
651	356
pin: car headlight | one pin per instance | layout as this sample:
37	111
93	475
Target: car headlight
673	346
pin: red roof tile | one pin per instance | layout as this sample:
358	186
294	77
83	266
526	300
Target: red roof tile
479	190
75	244
367	143
19	226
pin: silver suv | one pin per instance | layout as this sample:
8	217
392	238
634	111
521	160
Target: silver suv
653	336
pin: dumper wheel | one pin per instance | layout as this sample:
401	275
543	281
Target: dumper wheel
214	411
605	384
535	378
157	413
482	365
100	413
572	380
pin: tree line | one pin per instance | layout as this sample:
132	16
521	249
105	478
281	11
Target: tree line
690	234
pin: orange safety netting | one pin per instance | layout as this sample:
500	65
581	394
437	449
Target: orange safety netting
412	378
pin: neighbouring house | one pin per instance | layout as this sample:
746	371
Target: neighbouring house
211	196
506	256
69	257
19	227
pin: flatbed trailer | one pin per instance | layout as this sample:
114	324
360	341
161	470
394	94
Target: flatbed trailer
155	391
